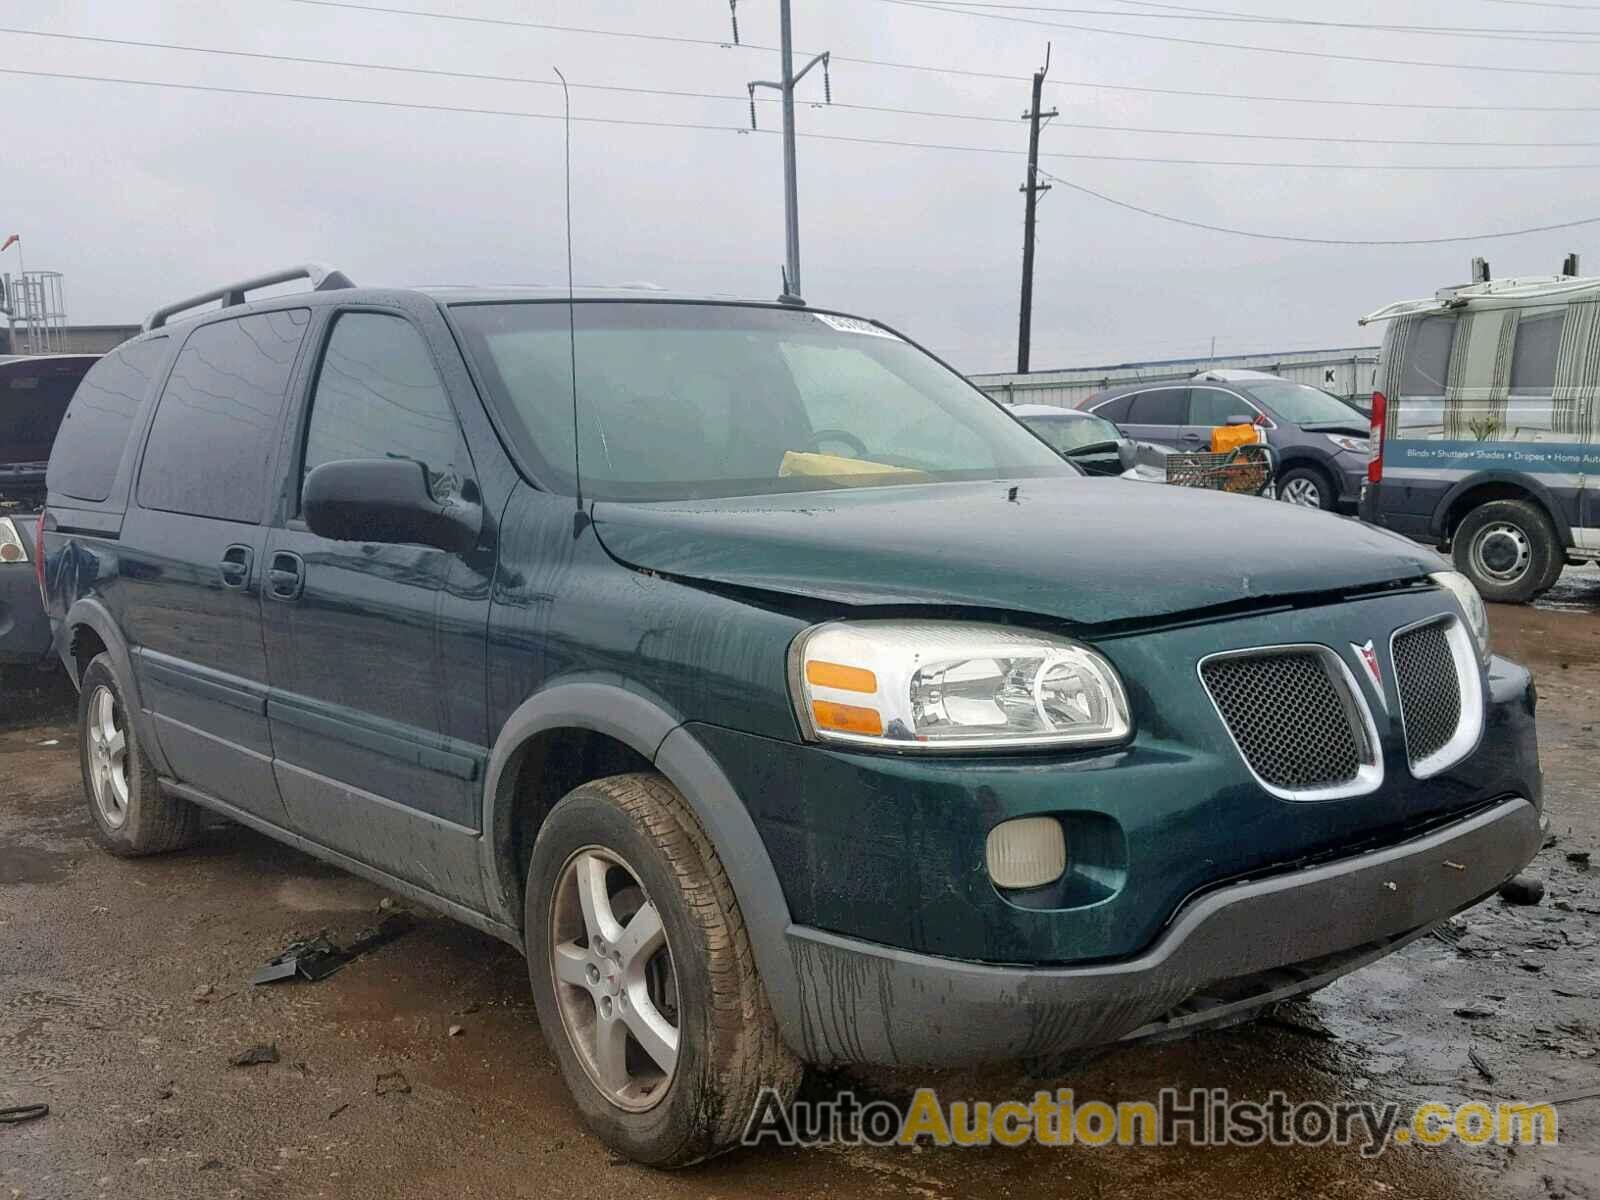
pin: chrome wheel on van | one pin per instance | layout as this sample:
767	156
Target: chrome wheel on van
1501	551
615	984
108	757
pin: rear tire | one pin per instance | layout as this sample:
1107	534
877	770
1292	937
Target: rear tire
1509	549
620	855
1307	487
131	814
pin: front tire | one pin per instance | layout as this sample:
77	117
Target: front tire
1509	549
643	975
1307	487
131	815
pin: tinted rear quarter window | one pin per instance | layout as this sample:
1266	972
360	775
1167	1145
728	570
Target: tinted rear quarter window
1112	410
1169	406
89	444
216	424
1533	358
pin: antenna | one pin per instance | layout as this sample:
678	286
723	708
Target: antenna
572	312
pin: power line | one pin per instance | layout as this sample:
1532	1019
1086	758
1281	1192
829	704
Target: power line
1179	12
960	72
1210	45
436	72
1314	241
826	137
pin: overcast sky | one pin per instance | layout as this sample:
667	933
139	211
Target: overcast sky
140	195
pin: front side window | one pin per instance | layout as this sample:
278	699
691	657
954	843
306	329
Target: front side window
1213	406
378	395
679	401
1533	357
216	424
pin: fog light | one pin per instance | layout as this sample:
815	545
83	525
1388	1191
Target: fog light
1027	853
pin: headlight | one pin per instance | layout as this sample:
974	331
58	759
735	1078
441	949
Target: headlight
11	547
1471	607
1356	445
953	685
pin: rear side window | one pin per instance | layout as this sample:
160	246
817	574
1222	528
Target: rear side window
88	446
379	396
1170	406
1427	362
1533	358
217	421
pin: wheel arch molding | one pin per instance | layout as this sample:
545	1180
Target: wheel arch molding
646	727
1500	485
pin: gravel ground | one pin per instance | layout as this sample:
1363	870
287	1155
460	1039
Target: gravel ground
124	994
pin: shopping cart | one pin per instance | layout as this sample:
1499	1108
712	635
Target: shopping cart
1247	470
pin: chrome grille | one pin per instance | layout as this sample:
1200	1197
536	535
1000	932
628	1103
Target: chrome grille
1430	689
1292	717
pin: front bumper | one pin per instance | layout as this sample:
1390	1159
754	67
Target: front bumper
1260	940
24	627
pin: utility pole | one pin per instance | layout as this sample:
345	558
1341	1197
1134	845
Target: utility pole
1031	189
791	191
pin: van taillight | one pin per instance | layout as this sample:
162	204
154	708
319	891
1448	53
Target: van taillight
38	556
1380	409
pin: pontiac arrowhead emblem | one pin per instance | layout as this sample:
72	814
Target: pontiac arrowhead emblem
1368	657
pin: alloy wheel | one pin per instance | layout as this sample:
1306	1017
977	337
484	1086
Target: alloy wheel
1302	491
108	757
614	980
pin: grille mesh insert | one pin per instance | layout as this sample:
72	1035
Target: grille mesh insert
1289	718
1430	690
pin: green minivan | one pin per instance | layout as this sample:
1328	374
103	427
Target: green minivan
779	695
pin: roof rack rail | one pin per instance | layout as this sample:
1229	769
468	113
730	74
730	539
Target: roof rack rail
323	279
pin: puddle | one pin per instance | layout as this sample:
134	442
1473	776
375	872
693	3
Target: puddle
31	864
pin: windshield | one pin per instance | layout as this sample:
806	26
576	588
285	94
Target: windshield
683	401
1300	404
1066	434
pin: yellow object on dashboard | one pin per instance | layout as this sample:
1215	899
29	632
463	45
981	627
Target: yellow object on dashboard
799	462
1230	437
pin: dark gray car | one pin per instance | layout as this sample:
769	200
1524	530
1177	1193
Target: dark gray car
34	391
1321	440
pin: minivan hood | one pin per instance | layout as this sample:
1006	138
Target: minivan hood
1088	551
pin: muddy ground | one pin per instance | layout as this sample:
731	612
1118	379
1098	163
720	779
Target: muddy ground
124	993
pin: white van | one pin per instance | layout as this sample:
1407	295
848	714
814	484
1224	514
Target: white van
1486	428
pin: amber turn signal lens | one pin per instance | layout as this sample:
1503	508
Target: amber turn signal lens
837	675
846	718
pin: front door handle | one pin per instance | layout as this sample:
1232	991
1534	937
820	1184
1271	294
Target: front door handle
286	576
235	566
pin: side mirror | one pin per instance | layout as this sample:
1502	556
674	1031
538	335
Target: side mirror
1127	455
386	500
